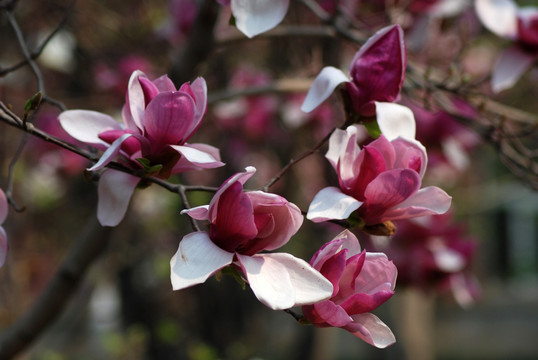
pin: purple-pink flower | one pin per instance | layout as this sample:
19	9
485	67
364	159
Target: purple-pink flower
158	120
380	182
242	224
3	237
377	74
506	19
362	281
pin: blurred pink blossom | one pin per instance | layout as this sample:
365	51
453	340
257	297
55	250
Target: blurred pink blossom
362	281
241	225
520	24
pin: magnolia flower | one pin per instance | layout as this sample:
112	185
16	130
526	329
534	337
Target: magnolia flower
506	19
3	237
381	181
157	122
432	252
253	17
241	225
377	74
362	281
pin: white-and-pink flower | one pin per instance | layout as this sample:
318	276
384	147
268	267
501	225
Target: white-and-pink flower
377	73
241	225
158	120
362	281
380	182
520	24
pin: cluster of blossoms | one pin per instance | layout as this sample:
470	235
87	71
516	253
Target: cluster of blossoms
380	182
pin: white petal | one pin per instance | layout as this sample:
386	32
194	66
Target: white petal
282	281
371	329
322	87
446	259
86	125
110	153
253	17
196	259
331	203
395	120
199	212
137	102
509	67
115	190
197	157
499	16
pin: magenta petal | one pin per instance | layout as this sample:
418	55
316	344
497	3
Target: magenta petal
322	87
331	203
196	259
510	66
198	91
3	206
427	201
168	118
332	314
371	329
115	190
386	191
345	240
378	70
410	154
377	274
360	303
86	125
333	268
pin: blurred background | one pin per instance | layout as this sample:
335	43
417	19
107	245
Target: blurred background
124	307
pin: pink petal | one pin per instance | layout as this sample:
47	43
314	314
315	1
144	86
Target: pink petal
198	158
196	259
377	274
198	91
198	213
240	177
254	17
510	66
427	201
322	87
499	16
410	154
185	165
387	191
371	329
395	120
281	281
110	153
163	83
168	118
3	246
345	240
3	206
361	303
114	190
332	314
86	125
330	203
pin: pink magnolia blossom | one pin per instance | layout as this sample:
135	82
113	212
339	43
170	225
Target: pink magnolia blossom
158	120
253	17
3	237
377	74
506	19
432	253
241	225
381	181
362	281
